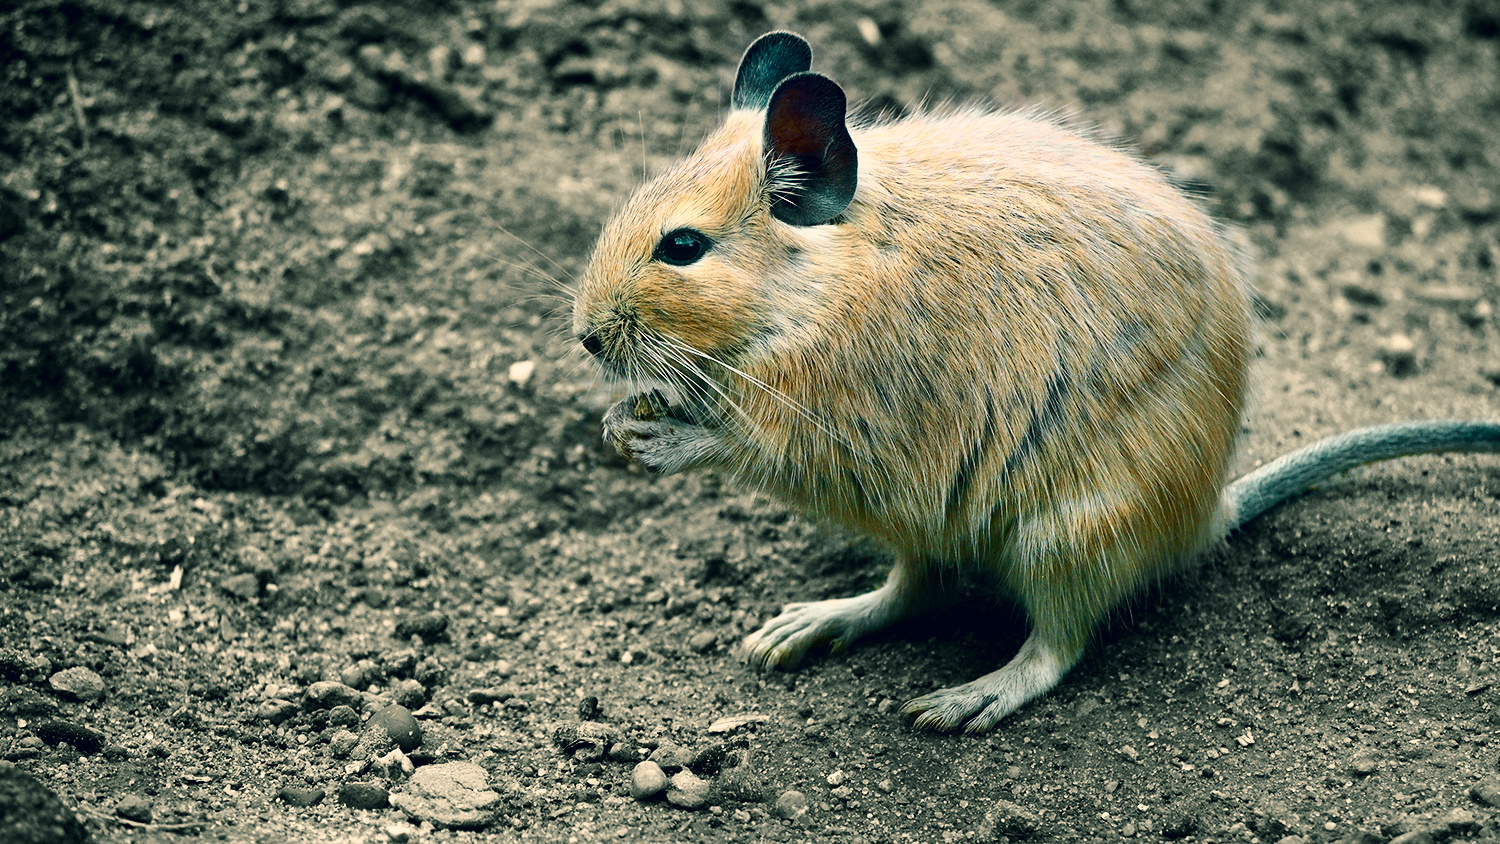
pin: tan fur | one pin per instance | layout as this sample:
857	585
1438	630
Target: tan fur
1018	350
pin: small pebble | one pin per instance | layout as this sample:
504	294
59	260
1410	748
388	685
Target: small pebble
245	586
430	627
398	723
836	779
409	693
1364	765
77	684
1416	836
521	371
326	694
56	731
647	780
1486	792
276	710
300	796
1399	354
342	744
133	807
709	760
343	716
364	795
671	757
687	791
791	805
701	642
400	833
586	741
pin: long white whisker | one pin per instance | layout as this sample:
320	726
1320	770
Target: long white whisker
769	390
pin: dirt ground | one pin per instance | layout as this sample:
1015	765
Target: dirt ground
288	397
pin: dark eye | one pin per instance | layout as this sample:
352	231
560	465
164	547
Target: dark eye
682	247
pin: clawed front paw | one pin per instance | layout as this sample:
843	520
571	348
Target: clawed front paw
646	430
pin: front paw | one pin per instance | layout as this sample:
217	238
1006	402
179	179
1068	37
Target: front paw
646	430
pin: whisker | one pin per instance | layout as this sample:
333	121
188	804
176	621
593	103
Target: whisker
769	390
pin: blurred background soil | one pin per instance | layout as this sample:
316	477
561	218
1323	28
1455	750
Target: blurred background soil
285	378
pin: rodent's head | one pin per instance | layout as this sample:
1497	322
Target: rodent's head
678	283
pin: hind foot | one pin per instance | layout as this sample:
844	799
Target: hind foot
977	706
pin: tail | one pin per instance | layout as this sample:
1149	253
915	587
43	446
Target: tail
1293	474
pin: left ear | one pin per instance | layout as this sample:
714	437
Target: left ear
805	123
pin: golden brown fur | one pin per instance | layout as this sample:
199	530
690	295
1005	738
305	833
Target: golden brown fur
1017	350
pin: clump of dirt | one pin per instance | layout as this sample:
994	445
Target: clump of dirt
293	434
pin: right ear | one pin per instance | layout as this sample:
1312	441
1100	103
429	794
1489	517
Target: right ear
772	58
805	127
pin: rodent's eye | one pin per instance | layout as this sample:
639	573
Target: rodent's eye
682	247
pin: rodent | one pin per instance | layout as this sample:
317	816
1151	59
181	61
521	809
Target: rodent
981	336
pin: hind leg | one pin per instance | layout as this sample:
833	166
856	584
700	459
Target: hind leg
1069	568
785	640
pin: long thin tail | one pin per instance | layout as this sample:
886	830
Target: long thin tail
1293	474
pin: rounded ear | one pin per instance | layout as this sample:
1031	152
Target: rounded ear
805	127
772	58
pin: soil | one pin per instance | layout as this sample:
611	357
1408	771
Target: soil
288	398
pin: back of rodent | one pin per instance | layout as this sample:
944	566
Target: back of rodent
1075	326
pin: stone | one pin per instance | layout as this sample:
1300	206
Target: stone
56	731
709	760
364	795
133	807
400	725
453	795
687	791
245	586
647	780
276	710
326	694
30	813
77	684
1486	792
1418	836
791	805
300	796
429	627
671	757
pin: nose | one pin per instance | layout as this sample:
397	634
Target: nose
591	343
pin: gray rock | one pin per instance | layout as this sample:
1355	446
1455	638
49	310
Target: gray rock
409	693
1486	792
671	757
133	807
1418	836
791	805
429	627
84	740
455	795
78	683
326	694
364	795
300	796
244	586
687	791
647	780
343	716
342	744
399	725
30	813
276	710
